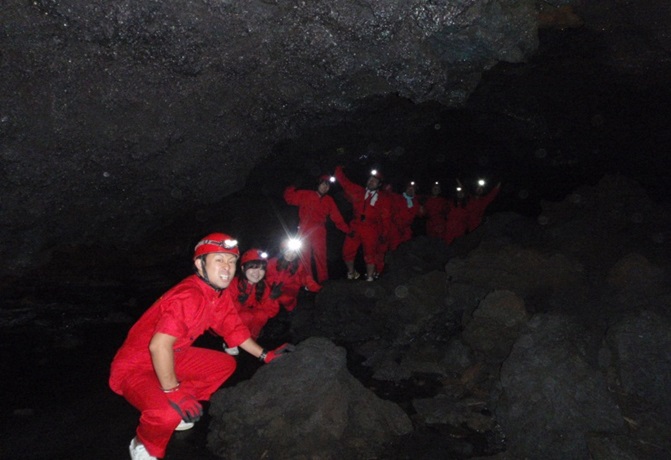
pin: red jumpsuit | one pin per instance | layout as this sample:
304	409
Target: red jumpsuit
435	210
403	214
293	277
477	205
457	221
186	311
254	311
370	223
313	210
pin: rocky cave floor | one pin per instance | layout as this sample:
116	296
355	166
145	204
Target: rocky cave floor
60	328
57	344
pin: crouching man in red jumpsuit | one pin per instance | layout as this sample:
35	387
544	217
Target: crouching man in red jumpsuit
159	372
370	223
314	207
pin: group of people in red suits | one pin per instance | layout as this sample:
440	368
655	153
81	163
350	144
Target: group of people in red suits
381	219
160	373
450	218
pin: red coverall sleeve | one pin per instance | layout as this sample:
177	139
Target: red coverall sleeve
347	185
336	217
308	281
292	196
230	326
174	312
271	272
312	285
270	307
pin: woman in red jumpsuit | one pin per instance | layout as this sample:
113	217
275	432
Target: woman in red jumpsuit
287	274
435	210
314	207
370	223
159	372
251	293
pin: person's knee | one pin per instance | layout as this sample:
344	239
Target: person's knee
164	416
223	371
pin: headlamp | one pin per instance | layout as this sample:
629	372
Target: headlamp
481	182
226	244
293	244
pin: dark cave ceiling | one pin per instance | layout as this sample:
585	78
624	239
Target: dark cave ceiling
117	117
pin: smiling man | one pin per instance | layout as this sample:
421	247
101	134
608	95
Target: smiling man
159	372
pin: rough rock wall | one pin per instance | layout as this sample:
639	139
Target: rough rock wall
115	114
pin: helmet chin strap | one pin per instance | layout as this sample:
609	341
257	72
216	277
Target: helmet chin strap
204	276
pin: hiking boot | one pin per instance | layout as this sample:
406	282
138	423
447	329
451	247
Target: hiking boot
184	426
353	276
138	451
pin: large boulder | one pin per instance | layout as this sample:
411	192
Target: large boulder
641	353
552	395
635	282
302	406
496	324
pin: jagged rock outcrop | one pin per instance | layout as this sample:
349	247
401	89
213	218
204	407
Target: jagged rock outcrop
496	324
305	405
640	345
524	338
551	393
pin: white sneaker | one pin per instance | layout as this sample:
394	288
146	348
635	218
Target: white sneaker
184	426
233	351
370	278
353	276
138	451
